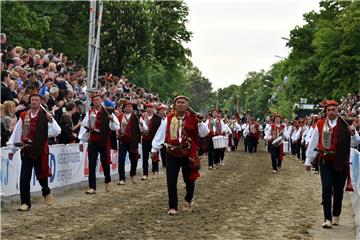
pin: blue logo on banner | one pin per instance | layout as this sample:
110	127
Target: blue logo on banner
356	168
52	165
5	178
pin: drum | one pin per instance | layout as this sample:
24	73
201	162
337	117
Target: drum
219	142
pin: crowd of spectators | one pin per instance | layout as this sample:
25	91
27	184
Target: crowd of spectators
62	84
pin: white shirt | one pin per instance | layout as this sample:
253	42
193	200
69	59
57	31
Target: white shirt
53	131
296	135
305	131
84	134
160	135
222	124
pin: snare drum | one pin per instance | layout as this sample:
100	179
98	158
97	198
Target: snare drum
219	142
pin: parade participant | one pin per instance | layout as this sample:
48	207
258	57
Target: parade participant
304	132
267	127
244	126
312	126
276	130
96	129
131	127
235	132
148	118
252	131
180	134
161	111
295	137
153	122
227	136
31	132
216	127
331	140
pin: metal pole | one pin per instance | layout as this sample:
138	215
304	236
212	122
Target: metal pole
97	45
91	23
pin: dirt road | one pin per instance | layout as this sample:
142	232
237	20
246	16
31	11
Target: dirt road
241	200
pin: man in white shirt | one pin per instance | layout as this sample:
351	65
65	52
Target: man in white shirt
180	133
331	140
31	133
95	129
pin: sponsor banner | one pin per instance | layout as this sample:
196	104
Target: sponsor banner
68	166
355	171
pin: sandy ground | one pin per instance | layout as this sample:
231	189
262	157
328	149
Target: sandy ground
241	200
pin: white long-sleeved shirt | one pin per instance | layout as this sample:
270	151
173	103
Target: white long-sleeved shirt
222	124
160	135
309	135
84	134
304	133
53	131
311	154
268	134
296	135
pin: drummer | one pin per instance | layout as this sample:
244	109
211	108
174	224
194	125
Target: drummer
217	128
274	132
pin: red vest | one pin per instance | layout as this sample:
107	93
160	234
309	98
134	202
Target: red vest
275	131
334	140
39	150
190	130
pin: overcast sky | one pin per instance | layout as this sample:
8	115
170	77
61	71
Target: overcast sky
233	37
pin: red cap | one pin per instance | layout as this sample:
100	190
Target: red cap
329	103
161	106
127	103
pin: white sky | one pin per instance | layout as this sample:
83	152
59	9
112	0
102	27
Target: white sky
234	37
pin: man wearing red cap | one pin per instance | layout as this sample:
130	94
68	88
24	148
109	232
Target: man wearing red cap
131	127
161	112
180	132
96	129
32	131
153	122
331	141
276	130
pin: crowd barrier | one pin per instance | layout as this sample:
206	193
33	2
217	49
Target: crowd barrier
68	166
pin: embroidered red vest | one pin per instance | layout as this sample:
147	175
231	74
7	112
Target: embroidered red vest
334	140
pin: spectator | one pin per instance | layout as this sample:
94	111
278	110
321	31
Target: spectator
8	120
67	134
5	90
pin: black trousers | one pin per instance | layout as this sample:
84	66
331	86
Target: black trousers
163	156
172	173
246	143
93	150
124	149
275	156
333	183
222	154
297	149
146	149
252	143
213	154
293	148
27	164
303	152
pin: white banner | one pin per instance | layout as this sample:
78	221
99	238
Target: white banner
355	171
68	166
